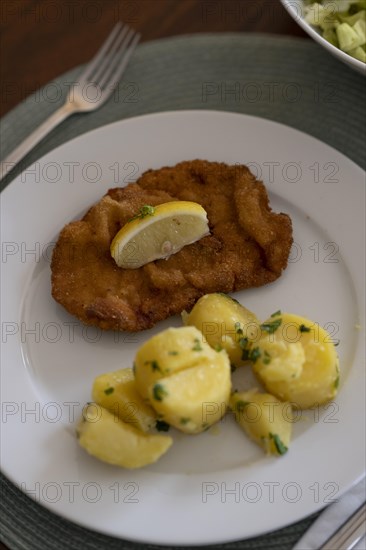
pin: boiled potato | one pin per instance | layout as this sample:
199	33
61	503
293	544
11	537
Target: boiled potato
224	323
296	361
111	440
265	419
193	399
116	391
179	375
166	353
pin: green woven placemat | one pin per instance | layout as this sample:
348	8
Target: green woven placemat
288	80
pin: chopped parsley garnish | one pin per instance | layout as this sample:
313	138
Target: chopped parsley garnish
197	345
218	347
108	391
184	420
304	328
278	312
238	330
154	366
241	405
143	212
248	353
173	352
162	426
159	392
336	382
243	343
266	358
280	447
271	326
254	354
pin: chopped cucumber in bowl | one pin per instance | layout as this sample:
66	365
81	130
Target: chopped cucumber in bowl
341	22
339	26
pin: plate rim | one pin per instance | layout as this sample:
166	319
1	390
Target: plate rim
175	112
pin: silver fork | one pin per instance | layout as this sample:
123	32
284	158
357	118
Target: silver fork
99	78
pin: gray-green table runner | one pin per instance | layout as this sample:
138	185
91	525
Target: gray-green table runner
292	81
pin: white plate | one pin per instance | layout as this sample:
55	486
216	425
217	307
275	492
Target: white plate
217	486
296	9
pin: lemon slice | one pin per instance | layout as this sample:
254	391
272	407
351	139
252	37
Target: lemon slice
158	232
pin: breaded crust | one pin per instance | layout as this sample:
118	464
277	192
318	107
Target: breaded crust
248	246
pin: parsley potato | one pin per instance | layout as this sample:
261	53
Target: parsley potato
225	323
166	353
186	381
108	438
296	361
117	392
194	399
265	419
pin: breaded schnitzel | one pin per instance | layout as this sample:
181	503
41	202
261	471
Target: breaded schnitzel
248	246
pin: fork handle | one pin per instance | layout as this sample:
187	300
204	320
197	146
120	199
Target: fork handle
35	137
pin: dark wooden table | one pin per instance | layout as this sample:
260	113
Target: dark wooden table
41	39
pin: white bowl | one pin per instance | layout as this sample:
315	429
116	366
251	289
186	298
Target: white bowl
296	9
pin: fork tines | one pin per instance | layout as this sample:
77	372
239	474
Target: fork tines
107	66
